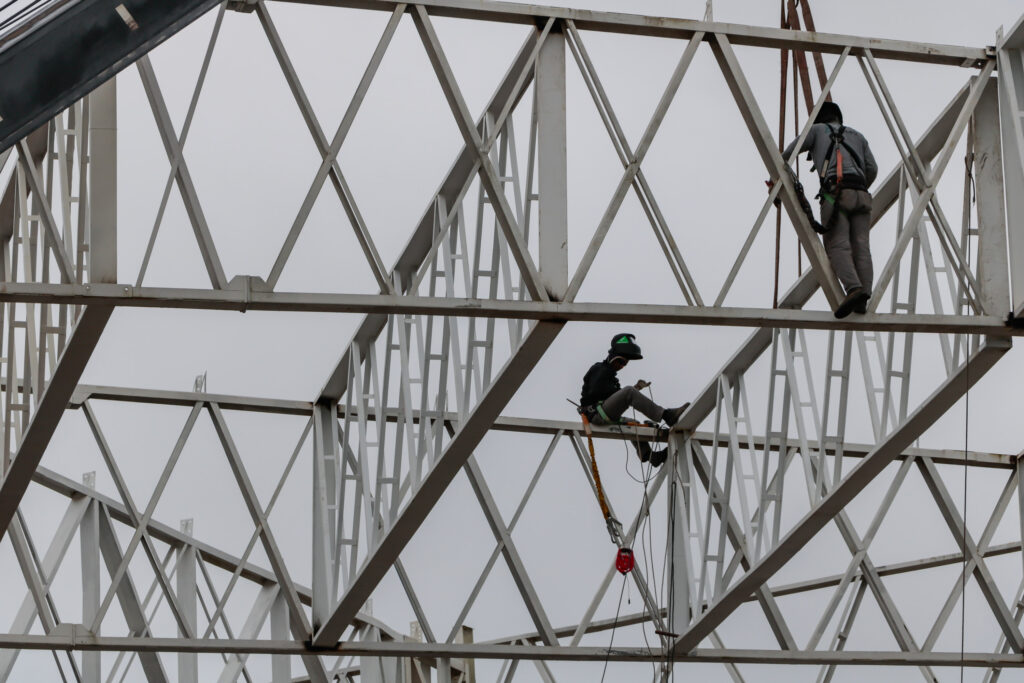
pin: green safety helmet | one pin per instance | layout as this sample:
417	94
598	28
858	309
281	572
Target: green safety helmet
624	345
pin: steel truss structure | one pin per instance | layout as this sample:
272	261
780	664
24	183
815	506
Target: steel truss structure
759	471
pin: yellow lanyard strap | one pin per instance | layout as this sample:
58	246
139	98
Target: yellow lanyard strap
593	469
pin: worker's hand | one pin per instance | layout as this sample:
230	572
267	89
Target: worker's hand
771	183
642	384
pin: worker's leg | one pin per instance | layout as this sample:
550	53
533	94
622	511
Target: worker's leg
616	405
860	227
837	241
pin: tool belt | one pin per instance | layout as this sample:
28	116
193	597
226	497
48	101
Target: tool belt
595	411
830	191
833	187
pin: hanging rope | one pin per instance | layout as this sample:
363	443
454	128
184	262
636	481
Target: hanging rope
972	199
624	561
646	534
783	80
615	623
613	525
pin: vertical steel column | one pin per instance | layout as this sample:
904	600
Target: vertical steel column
468	665
325	503
1010	56
392	669
132	608
280	665
883	453
679	535
988	174
552	165
102	196
185	578
89	537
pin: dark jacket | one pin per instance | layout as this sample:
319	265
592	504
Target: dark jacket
599	383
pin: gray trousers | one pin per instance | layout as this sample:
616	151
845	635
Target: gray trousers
846	243
616	405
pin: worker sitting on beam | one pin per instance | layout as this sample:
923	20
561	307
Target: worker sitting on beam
603	401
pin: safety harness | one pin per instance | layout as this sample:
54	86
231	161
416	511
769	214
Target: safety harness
597	410
829	192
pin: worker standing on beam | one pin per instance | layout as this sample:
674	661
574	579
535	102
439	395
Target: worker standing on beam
603	401
846	168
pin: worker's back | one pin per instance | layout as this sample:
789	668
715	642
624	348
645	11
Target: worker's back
820	145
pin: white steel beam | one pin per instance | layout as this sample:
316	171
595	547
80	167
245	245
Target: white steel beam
381	305
461	446
327	150
326	485
1011	109
767	147
455	183
185	584
102	192
50	409
89	539
128	597
866	470
993	272
170	140
515	563
632	174
523	425
552	165
885	195
298	621
180	139
777	591
265	601
56	240
489	177
390	649
987	584
672	27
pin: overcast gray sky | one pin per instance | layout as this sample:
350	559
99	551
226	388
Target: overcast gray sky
252	161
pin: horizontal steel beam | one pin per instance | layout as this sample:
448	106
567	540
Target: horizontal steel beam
67	637
524	425
50	409
85	392
161	532
671	27
779	591
935	405
172	536
308	302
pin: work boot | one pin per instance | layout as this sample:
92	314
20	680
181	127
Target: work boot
643	450
672	415
862	307
658	457
855	298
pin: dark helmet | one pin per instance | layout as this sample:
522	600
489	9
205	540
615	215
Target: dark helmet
828	113
624	345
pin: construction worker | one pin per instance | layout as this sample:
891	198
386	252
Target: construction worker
846	168
604	402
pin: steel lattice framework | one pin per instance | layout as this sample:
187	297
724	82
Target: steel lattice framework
481	290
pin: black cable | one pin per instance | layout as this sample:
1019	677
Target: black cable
615	622
963	573
658	586
972	198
